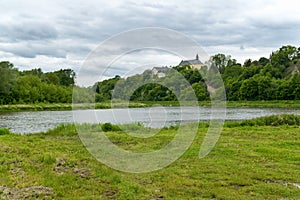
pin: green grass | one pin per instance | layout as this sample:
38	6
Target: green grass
250	104
248	162
273	120
265	104
4	131
34	107
123	104
68	106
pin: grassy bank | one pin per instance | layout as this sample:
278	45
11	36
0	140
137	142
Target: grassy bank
250	161
62	106
34	107
120	104
265	104
249	104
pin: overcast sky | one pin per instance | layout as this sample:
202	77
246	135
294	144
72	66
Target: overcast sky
54	34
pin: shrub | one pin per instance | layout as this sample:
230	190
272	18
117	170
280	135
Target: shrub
110	127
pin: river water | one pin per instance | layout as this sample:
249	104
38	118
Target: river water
32	122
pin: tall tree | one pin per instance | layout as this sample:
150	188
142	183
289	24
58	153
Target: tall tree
284	55
221	61
8	77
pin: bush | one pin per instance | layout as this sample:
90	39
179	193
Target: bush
109	127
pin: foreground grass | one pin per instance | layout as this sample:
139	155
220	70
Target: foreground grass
248	162
121	104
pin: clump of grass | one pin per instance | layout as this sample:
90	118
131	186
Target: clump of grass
110	127
63	130
47	159
4	131
274	120
132	127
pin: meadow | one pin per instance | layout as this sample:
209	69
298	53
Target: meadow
254	159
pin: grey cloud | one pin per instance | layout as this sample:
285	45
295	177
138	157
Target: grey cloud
74	28
31	50
27	31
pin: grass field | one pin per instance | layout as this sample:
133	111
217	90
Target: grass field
248	162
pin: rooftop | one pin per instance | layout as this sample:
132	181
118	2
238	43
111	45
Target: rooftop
191	62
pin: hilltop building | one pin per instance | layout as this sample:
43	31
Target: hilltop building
159	72
194	64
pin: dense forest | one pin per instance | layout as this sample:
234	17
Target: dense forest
34	86
273	78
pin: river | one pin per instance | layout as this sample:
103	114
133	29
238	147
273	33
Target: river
33	122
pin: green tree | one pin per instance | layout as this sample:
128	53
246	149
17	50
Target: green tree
232	72
233	90
284	55
51	78
284	91
249	90
295	86
263	61
105	88
66	77
8	77
201	92
35	72
221	61
28	89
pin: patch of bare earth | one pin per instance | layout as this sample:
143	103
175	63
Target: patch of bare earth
32	192
62	167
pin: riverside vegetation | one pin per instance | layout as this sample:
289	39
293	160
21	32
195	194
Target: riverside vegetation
140	104
253	159
267	79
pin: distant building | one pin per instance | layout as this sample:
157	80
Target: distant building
159	72
194	64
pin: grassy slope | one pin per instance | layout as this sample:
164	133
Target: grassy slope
247	163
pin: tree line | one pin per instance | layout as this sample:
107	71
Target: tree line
179	82
274	78
35	86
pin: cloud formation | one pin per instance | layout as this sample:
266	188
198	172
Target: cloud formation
64	32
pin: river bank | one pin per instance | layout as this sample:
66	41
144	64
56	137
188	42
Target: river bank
39	121
105	105
250	161
65	106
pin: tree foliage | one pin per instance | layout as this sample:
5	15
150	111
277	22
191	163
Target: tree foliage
34	86
273	78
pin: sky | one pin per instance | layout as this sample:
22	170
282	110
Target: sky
55	34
